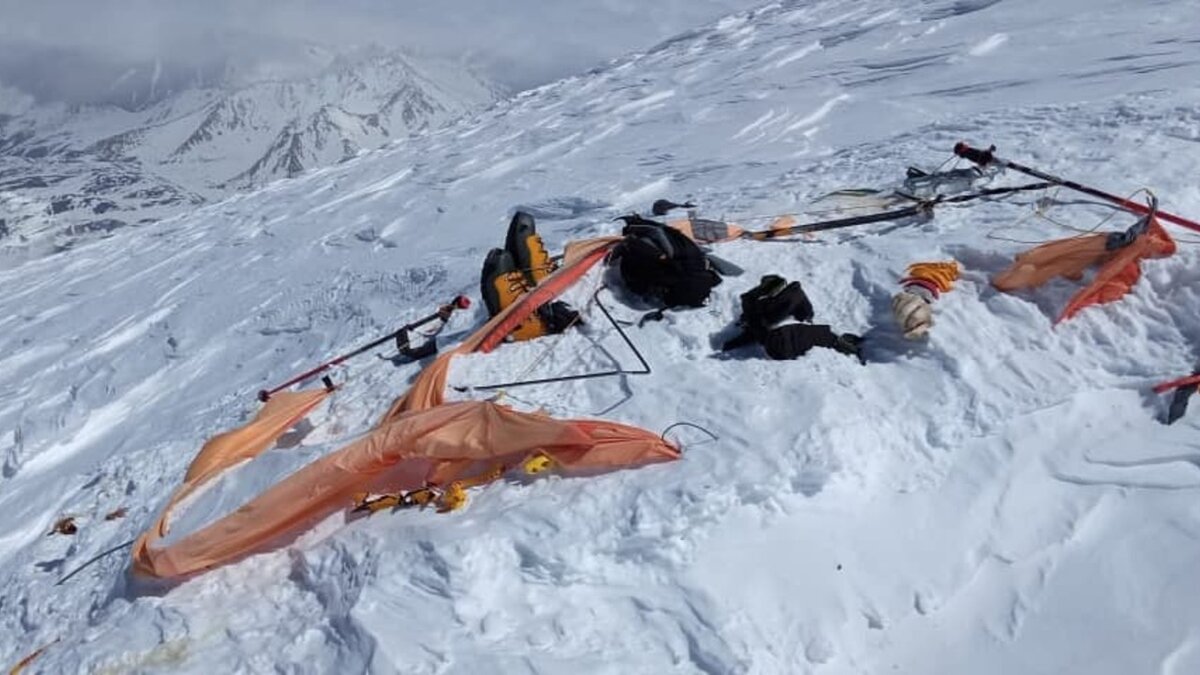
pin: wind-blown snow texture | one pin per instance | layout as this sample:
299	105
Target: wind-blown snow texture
1000	499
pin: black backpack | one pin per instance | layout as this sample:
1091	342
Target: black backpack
662	264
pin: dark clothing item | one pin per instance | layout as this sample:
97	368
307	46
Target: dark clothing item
661	264
795	339
775	300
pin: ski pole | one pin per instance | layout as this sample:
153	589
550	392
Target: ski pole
1184	388
1185	381
985	157
918	209
714	231
443	313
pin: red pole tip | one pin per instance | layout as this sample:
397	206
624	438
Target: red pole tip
981	157
462	302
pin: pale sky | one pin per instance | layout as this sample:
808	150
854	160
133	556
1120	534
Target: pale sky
66	48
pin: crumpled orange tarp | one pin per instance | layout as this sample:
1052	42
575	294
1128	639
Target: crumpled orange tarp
421	441
436	446
1070	258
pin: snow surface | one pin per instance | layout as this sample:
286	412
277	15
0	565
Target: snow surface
997	500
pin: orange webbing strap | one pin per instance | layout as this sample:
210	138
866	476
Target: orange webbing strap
942	275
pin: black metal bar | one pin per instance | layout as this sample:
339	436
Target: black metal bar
93	559
922	207
906	212
991	192
585	376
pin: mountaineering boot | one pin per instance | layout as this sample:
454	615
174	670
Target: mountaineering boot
501	283
537	463
497	284
527	249
851	345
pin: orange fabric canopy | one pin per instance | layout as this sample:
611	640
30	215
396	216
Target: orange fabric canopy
420	441
436	446
1070	258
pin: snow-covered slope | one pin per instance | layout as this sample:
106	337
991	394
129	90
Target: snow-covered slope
278	129
1000	499
97	168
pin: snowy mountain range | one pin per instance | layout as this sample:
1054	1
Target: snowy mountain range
998	499
70	170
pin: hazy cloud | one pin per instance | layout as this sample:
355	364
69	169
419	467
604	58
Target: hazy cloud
77	48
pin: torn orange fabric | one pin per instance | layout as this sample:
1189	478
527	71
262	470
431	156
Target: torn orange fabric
420	441
282	412
222	451
1070	258
450	442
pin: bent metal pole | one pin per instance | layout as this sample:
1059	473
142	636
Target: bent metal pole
986	157
443	313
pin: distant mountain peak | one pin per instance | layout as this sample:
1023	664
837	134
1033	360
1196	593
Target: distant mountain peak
202	143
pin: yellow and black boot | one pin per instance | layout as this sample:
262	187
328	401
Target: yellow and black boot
501	284
529	253
527	249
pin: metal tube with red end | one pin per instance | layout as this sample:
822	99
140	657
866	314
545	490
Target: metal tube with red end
986	157
443	313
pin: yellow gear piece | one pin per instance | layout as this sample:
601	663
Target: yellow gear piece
510	286
541	266
364	503
453	499
538	463
421	497
941	274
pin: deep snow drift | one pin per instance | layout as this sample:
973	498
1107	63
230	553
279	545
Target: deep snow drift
999	499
